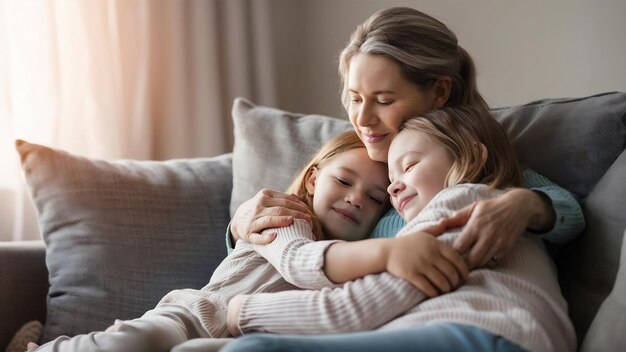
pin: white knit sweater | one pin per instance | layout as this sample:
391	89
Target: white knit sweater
519	299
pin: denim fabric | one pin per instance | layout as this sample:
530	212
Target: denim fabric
431	338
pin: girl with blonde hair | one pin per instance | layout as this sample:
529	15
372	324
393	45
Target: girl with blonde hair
346	191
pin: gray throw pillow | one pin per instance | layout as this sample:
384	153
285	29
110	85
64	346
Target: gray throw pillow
121	234
571	141
271	145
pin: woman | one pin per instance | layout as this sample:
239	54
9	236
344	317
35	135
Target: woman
399	64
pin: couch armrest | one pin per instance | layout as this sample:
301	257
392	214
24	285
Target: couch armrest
24	287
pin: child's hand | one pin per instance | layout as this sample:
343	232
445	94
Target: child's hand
430	265
232	317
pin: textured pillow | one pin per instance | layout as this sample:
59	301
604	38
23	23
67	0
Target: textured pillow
271	145
570	141
121	234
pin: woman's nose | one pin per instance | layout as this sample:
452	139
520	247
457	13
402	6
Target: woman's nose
366	115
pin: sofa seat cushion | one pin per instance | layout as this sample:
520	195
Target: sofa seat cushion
121	234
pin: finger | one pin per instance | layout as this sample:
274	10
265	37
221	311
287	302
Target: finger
459	217
264	238
479	254
272	193
449	272
438	280
284	201
268	222
283	211
466	240
423	285
436	229
457	262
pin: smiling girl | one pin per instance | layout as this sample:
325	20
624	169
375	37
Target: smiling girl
346	191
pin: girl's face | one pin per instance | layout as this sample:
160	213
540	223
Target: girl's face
349	194
418	167
381	99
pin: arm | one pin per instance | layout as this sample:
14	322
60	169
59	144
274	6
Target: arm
314	265
267	209
430	265
494	225
360	305
296	256
568	221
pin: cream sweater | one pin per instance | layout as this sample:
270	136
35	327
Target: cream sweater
519	299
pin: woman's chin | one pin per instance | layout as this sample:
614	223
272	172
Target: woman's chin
378	154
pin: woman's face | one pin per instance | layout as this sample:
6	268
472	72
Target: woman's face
381	99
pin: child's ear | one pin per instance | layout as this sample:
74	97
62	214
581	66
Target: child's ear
311	177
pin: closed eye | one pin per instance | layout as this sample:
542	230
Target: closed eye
409	167
342	182
377	200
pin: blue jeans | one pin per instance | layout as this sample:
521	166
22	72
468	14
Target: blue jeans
434	337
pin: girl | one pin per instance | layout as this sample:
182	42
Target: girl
438	164
346	191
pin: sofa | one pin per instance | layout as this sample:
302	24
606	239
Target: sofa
118	235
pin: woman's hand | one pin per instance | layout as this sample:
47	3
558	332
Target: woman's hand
267	209
232	317
428	264
493	226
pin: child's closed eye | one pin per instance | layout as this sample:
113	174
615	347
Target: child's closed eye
343	182
377	200
408	167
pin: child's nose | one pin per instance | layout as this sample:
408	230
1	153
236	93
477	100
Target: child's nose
394	188
355	199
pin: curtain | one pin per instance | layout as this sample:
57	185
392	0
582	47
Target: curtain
133	79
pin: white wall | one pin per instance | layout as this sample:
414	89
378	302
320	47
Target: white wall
524	50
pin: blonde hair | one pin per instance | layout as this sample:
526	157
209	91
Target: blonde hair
342	143
423	47
460	130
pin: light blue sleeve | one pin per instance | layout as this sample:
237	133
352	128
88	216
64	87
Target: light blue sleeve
229	243
570	221
388	225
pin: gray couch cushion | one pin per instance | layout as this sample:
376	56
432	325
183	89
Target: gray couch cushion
607	330
588	266
121	234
